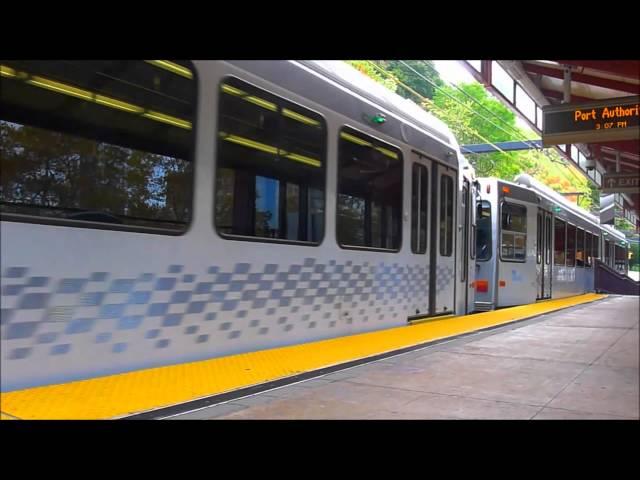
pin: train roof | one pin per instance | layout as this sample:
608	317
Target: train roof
349	77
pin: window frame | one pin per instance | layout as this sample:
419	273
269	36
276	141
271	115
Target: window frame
490	242
116	227
400	153
325	150
448	252
578	230
575	237
500	233
564	242
417	167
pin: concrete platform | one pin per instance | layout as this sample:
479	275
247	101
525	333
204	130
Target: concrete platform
578	363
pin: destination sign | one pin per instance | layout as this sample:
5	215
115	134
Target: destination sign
612	119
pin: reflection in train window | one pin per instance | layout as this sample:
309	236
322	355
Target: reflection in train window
559	244
270	176
369	192
588	251
419	192
571	245
483	234
580	248
513	232
107	142
446	216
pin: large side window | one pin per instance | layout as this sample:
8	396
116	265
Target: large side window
513	232
571	245
596	247
369	192
559	242
607	252
419	202
483	235
446	215
588	250
103	144
270	170
580	248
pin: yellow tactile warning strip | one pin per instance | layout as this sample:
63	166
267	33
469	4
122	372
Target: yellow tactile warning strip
127	393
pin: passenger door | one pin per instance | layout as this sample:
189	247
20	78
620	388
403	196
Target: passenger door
543	254
442	272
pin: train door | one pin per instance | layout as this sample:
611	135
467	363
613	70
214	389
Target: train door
421	203
543	255
465	239
442	262
547	252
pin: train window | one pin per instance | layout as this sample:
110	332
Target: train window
547	251
465	230
580	248
571	245
513	233
559	242
588	238
484	237
620	258
539	239
473	242
596	247
98	144
607	252
270	176
446	216
419	192
369	192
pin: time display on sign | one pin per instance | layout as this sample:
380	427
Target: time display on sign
612	119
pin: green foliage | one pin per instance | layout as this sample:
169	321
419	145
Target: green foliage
460	109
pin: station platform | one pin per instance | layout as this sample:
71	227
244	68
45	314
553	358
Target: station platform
544	364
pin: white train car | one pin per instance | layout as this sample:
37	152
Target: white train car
158	212
533	244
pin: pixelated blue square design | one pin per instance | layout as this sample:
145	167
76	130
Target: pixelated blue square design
91	299
203	287
37	281
196	307
71	285
20	353
103	337
80	325
181	296
60	349
175	268
11	290
202	338
32	301
162	343
154	333
47	337
139	297
172	319
157	309
165	283
129	322
191	329
112	310
213	269
21	330
119	347
242	268
122	285
188	278
15	272
98	276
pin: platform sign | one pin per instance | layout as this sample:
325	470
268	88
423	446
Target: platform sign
604	120
618	183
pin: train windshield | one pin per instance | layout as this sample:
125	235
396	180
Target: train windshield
483	235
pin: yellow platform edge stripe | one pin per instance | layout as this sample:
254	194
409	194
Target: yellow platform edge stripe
127	393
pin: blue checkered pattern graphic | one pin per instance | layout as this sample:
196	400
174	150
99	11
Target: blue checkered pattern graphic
53	315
